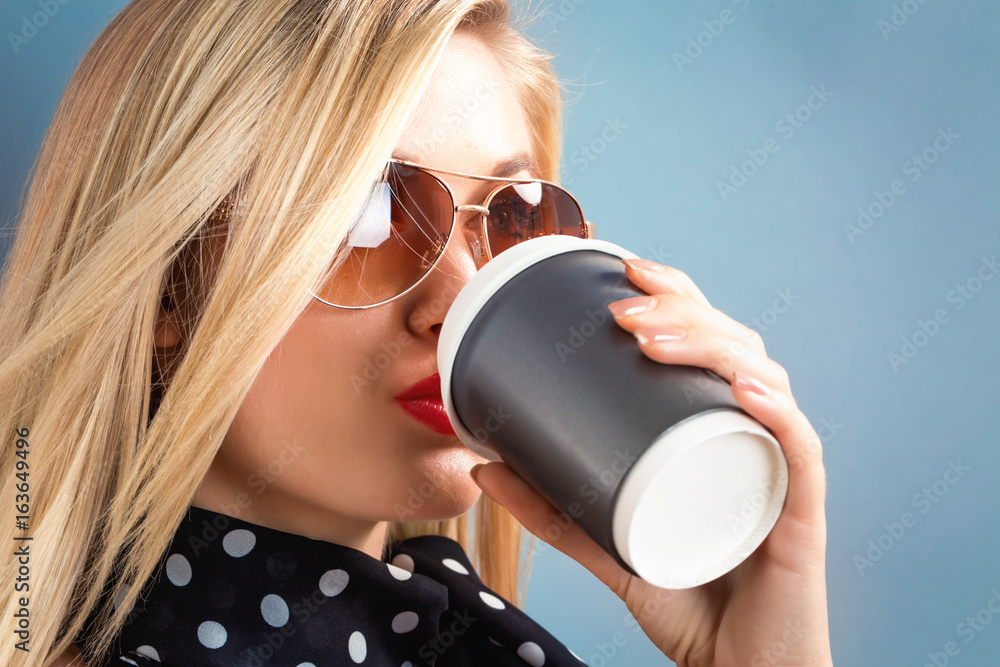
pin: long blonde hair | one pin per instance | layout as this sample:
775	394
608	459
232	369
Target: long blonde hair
293	104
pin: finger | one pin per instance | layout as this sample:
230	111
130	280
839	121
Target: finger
708	348
801	445
653	278
546	522
673	309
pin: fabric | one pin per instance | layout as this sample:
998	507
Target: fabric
235	594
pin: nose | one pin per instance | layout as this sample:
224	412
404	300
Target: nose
464	245
474	230
463	255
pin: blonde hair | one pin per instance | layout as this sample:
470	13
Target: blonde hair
294	105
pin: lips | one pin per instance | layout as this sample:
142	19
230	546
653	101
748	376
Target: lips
429	387
422	401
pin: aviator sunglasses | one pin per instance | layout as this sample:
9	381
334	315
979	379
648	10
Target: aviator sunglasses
403	229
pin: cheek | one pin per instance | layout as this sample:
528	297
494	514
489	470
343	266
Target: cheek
302	407
319	425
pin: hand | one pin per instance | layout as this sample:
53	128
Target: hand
771	609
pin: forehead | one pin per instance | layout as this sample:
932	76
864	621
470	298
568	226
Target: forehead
469	115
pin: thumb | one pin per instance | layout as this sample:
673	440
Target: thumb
548	523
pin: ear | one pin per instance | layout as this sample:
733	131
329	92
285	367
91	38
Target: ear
166	333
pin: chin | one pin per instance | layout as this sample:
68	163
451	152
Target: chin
437	498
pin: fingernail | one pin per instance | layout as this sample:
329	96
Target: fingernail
474	471
750	384
643	264
632	306
660	334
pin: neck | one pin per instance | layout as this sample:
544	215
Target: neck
294	516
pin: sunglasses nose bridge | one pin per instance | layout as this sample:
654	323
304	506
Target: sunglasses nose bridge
472	207
477	244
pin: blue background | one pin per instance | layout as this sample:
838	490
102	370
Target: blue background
650	136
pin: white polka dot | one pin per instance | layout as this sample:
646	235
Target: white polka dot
305	664
532	654
128	660
453	564
404	622
178	570
333	582
398	572
149	652
211	634
491	600
407	664
357	647
238	542
403	562
274	610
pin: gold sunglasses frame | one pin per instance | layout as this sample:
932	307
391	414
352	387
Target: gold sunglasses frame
589	228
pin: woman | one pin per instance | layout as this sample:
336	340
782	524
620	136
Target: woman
189	338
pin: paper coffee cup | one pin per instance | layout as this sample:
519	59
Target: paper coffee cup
656	462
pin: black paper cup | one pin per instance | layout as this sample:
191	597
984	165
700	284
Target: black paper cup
656	462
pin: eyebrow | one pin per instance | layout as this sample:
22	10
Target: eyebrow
503	168
515	164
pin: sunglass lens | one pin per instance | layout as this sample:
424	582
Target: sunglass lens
523	211
394	241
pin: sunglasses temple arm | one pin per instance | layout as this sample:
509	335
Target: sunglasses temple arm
591	230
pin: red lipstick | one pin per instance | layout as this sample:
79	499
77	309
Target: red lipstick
422	401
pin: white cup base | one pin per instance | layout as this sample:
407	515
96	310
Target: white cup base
700	500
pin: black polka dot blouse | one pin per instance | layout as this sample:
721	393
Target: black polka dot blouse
235	594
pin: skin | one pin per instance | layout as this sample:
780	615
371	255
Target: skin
352	456
745	616
348	458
